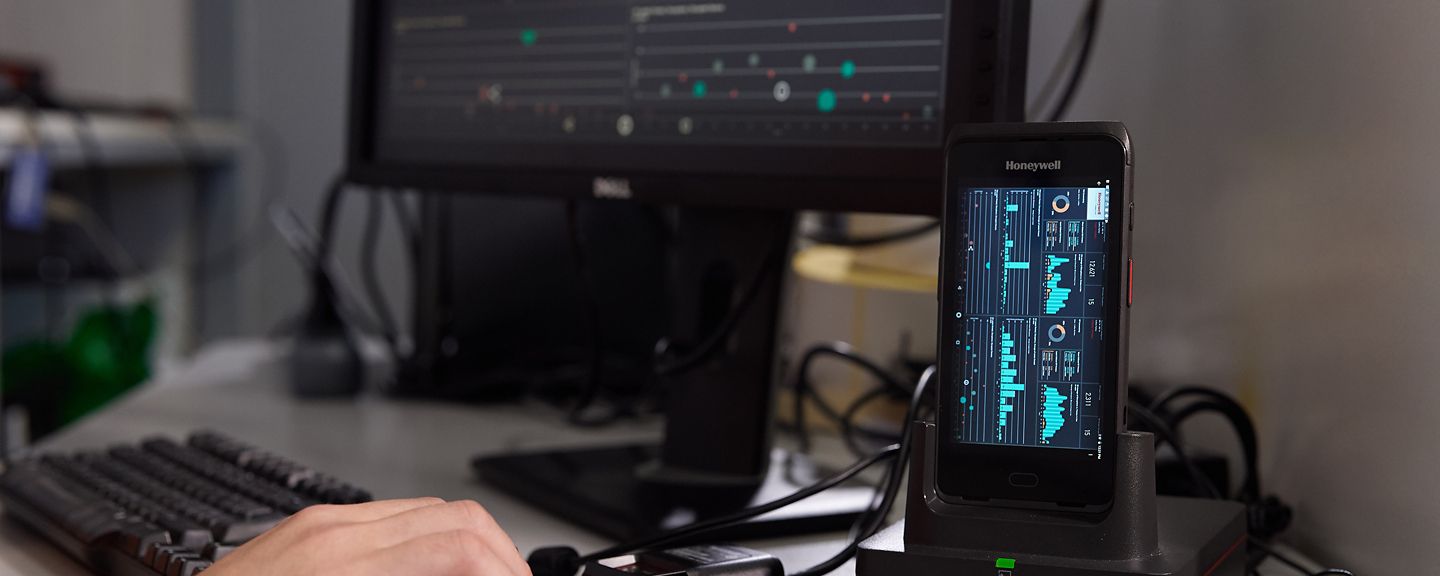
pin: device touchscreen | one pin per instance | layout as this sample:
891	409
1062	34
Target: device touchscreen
1032	320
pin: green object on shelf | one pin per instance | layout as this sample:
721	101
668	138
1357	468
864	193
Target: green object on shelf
106	355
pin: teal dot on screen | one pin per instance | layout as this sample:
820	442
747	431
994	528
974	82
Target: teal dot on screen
826	100
700	89
847	69
964	400
987	265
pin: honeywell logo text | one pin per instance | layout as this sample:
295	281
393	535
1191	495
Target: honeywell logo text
1032	166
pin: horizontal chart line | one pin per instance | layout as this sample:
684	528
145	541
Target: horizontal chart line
720	96
451	84
520	51
465	34
782	47
762	71
496	67
520	101
744	24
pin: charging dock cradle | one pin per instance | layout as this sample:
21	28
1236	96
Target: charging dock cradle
1141	534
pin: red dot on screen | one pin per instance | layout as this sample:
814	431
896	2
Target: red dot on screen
770	73
865	97
885	97
734	93
792	27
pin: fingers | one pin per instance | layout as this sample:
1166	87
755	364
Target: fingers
451	553
321	517
367	512
462	515
419	536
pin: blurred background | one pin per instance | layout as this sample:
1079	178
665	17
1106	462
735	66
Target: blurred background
1284	172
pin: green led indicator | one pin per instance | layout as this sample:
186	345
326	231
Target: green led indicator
847	69
826	100
528	37
700	89
1005	563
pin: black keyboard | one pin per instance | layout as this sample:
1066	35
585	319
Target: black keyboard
163	507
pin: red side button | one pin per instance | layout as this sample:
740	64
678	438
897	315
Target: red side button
1130	291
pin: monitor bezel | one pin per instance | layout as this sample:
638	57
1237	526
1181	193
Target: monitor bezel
854	178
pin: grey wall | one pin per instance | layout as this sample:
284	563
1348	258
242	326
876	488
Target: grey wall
1284	247
294	67
133	51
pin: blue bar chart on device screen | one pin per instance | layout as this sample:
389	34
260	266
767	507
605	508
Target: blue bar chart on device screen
1032	328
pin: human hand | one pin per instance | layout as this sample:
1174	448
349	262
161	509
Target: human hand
416	536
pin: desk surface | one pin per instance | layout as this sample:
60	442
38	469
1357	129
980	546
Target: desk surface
393	448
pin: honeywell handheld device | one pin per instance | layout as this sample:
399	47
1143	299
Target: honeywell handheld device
1035	287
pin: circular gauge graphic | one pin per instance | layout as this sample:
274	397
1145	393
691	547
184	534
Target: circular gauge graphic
1057	333
1060	204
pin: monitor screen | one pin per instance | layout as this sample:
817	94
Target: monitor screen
820	89
1034	317
855	72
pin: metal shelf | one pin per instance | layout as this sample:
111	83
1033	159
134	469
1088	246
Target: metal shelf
123	141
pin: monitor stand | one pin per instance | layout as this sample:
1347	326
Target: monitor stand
716	456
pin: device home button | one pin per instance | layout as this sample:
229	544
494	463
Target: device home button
1024	480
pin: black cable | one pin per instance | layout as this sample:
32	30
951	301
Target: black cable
1250	485
1266	515
1041	100
1163	433
729	519
875	239
713	343
875	519
1291	562
1092	23
370	279
1224	404
803	389
847	419
1234	413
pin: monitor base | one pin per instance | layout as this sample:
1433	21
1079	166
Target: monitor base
609	490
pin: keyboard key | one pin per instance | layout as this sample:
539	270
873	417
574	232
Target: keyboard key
174	476
227	475
181	529
174	508
81	513
303	479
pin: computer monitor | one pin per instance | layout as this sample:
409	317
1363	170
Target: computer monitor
734	114
811	104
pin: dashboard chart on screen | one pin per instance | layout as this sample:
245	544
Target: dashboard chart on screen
803	72
1033	322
